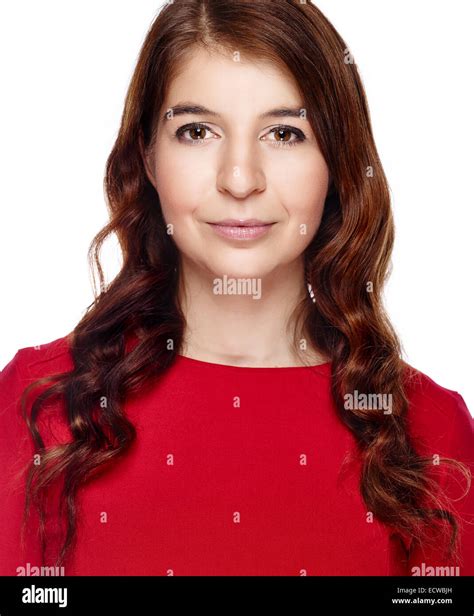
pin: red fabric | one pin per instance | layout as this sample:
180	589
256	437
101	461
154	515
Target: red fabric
216	482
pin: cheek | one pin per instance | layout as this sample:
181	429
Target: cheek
302	190
178	186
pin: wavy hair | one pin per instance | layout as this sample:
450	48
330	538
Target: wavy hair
346	263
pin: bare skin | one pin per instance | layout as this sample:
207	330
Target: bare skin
237	167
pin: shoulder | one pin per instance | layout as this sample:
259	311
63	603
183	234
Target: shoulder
442	427
34	361
438	417
28	365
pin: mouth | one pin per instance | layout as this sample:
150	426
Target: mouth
241	231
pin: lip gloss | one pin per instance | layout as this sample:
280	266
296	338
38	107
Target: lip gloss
241	233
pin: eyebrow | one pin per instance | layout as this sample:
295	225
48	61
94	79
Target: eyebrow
194	109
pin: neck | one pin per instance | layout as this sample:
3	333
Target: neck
243	320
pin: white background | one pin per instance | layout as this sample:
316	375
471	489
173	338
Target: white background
65	70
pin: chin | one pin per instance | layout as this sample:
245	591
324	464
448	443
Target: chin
240	272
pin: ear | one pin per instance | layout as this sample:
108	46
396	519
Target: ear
147	160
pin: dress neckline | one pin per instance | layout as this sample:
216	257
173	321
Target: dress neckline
326	366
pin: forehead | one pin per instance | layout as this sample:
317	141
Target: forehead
232	83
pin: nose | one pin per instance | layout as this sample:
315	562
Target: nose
240	171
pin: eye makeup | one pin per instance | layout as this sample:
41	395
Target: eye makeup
179	134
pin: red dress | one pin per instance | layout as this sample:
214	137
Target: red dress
235	471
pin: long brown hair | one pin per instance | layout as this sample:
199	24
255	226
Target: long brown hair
346	263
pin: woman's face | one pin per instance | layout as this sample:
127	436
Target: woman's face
237	166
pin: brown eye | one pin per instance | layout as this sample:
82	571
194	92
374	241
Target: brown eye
197	133
282	132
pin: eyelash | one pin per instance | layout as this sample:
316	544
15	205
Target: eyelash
300	136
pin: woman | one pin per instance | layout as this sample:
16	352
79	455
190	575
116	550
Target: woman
235	401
